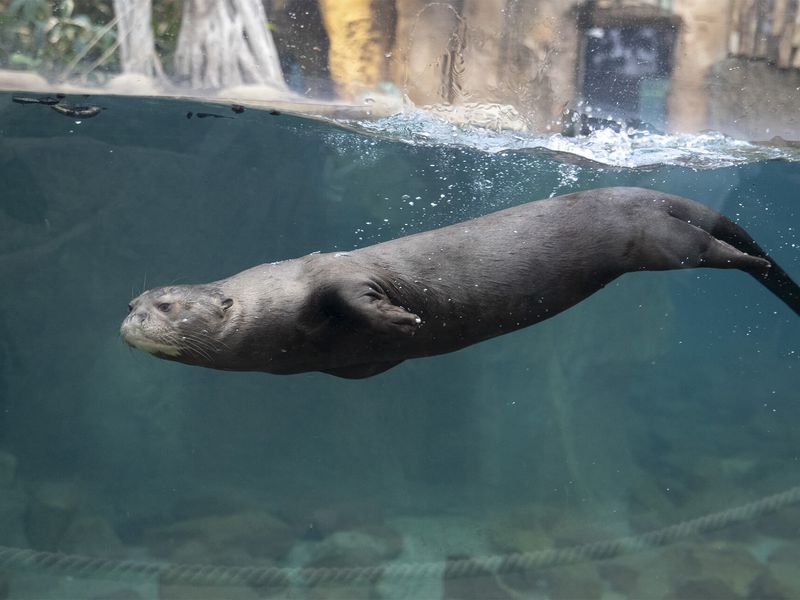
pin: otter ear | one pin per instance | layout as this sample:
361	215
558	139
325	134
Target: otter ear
227	303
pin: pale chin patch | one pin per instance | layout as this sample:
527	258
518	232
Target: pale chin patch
154	348
150	346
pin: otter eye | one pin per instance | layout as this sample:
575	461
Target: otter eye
164	306
130	308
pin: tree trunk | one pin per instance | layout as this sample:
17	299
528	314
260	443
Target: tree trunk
356	56
135	35
224	43
427	60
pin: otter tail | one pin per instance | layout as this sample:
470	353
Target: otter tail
773	277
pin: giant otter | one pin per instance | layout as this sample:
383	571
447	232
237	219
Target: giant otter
356	314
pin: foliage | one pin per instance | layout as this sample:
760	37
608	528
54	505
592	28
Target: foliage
59	38
47	35
167	16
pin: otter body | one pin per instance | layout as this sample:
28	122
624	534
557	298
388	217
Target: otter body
355	314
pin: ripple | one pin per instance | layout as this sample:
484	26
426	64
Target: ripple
624	149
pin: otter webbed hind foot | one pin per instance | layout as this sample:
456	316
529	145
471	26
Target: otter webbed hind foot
736	246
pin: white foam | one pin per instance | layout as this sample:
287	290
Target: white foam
629	149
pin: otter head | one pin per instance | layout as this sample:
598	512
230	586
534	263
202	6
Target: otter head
182	323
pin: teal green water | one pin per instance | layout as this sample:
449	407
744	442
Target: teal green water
665	396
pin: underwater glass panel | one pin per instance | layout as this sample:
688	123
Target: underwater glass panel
642	444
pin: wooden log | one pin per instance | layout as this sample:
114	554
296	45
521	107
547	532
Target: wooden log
784	56
748	28
135	34
785	47
356	55
734	36
223	44
763	24
779	14
796	35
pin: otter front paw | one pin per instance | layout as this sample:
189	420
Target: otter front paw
365	304
392	318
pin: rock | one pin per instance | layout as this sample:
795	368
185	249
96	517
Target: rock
47	584
574	581
333	591
729	563
651	574
768	587
92	536
621	578
739	533
203	592
478	586
256	93
119	594
777	141
784	524
509	540
711	588
319	523
8	470
647	498
783	575
215	502
13	504
568	582
51	510
576	531
357	548
785	554
391	540
133	84
238	539
23	80
521	529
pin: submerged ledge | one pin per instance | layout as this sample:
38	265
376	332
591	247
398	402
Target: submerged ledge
487	127
370	106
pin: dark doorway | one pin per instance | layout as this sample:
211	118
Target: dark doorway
625	69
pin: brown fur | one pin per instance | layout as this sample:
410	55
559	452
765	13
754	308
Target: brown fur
355	314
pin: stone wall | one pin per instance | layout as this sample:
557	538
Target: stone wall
750	96
766	29
754	100
701	43
527	55
497	51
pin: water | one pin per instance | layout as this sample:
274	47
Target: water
665	397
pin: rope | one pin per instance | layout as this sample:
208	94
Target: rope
210	575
